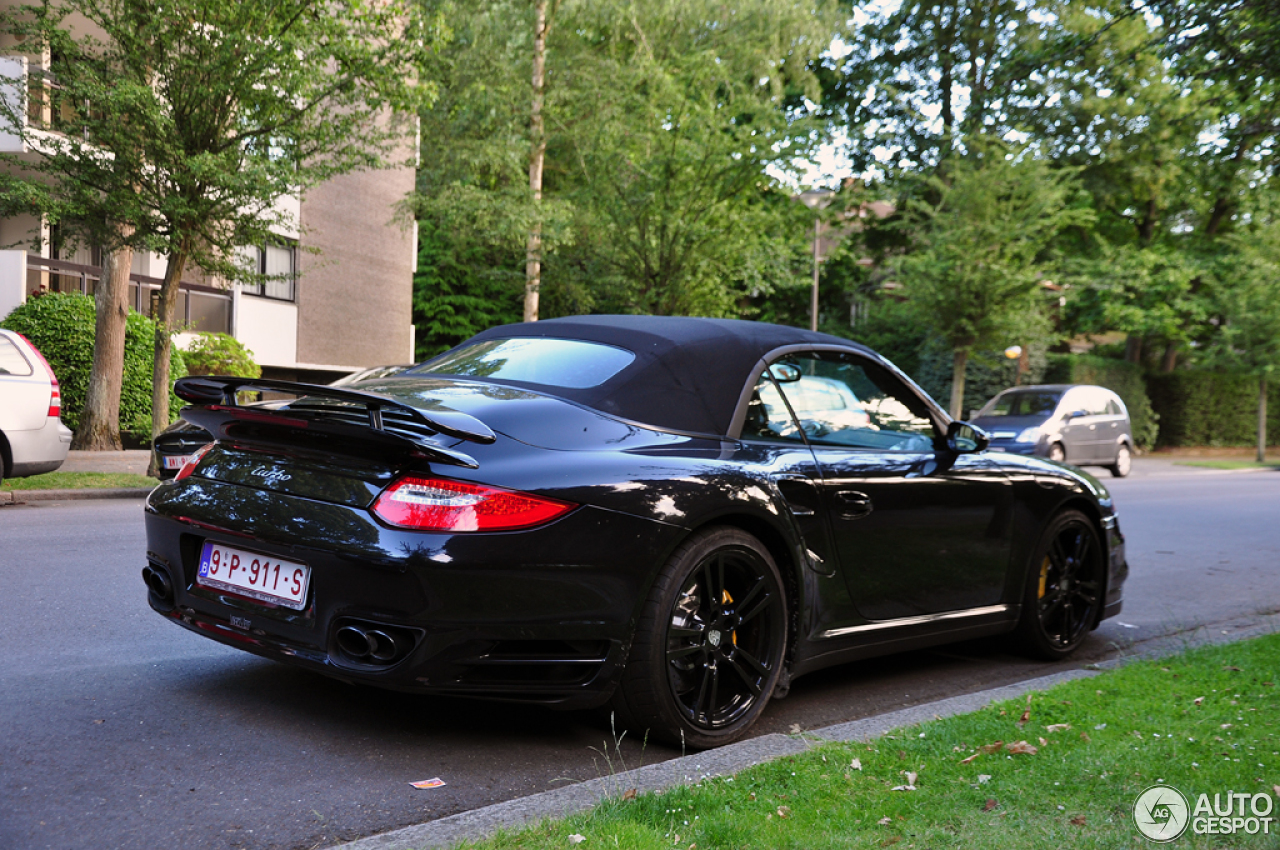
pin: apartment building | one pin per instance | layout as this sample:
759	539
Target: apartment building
346	305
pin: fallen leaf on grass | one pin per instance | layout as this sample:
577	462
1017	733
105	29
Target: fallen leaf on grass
795	729
1043	742
991	804
888	842
856	764
1197	701
784	811
1084	736
1276	789
986	749
984	778
1079	820
1057	727
1026	715
577	839
1231	668
885	821
1021	748
629	794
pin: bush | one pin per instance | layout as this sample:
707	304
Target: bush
220	354
1121	377
1203	407
61	325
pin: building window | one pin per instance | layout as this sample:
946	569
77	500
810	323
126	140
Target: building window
278	265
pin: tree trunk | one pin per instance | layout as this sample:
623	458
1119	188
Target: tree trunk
538	139
99	428
164	349
961	359
1170	359
1133	348
1262	419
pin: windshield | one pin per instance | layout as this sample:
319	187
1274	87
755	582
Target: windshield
567	363
1025	403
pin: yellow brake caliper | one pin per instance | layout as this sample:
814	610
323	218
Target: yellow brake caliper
1044	575
726	599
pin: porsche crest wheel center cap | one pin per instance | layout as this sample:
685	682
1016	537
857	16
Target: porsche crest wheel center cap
713	638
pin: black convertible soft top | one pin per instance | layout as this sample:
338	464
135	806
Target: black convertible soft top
688	374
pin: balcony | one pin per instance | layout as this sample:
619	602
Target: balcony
200	308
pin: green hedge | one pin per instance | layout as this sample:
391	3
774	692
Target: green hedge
1124	379
61	325
1202	407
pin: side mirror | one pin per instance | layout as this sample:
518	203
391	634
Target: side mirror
966	438
784	373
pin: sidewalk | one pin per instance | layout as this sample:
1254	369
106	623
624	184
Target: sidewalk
130	460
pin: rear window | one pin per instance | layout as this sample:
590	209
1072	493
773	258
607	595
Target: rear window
567	363
11	360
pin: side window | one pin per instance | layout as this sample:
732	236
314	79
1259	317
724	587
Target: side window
1094	402
11	360
767	415
840	400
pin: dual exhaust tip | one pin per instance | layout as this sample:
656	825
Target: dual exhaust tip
159	583
371	644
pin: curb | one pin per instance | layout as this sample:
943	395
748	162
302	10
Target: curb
17	497
688	770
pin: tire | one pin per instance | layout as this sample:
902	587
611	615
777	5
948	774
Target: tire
1063	594
1124	462
1057	453
710	645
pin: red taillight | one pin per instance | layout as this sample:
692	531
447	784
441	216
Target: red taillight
438	504
194	461
55	394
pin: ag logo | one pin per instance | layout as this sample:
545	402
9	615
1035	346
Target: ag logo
1160	813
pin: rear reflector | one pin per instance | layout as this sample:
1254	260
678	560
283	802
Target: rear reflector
438	504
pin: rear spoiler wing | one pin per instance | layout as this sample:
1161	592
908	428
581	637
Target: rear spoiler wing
218	394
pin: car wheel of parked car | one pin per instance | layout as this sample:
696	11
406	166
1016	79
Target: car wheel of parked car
710	644
1064	588
1057	454
1124	462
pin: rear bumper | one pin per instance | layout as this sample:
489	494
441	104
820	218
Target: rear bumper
39	450
542	615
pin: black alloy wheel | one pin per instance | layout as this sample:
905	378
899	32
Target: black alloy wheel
711	644
1064	589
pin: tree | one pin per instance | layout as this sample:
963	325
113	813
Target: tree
1248	310
662	122
972	261
193	118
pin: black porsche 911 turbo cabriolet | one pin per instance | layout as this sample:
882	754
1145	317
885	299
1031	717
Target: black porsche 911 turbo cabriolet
675	515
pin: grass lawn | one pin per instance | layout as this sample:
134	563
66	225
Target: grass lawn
77	481
1229	464
1060	770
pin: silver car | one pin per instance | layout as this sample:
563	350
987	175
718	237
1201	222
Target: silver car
1071	423
32	437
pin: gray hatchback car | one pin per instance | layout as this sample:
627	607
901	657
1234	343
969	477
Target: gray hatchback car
1072	423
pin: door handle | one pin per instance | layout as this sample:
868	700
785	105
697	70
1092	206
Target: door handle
853	504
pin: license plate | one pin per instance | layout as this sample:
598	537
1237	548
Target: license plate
254	575
176	461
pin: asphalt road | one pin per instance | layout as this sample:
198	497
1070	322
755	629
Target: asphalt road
118	729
